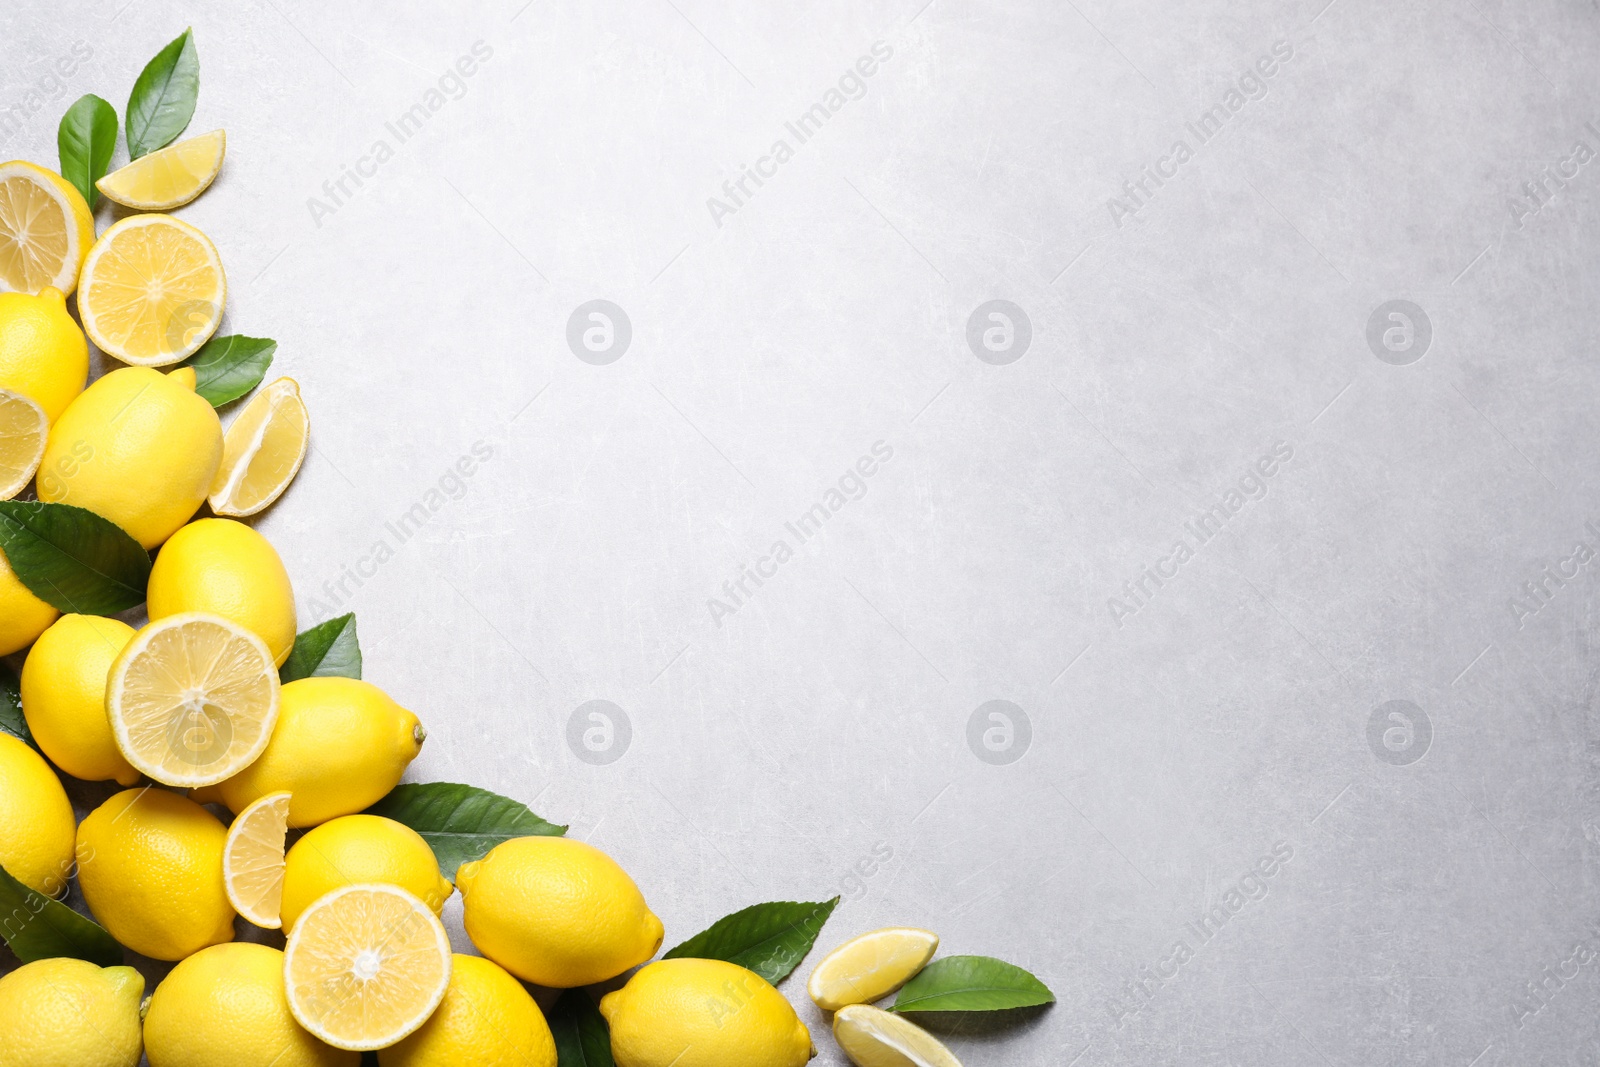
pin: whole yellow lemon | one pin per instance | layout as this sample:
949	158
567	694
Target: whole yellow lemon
23	616
703	1013
356	849
223	567
69	1013
486	1017
43	354
36	822
64	696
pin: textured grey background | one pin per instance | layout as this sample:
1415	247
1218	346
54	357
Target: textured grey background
776	749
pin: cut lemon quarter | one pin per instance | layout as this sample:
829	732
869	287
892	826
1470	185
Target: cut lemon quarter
23	429
365	966
871	967
875	1038
169	178
45	230
152	290
262	451
252	860
193	699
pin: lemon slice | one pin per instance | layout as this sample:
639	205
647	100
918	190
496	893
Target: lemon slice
871	967
169	178
45	230
262	451
365	966
192	699
874	1038
252	860
23	429
152	290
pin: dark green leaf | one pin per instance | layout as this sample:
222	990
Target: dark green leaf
769	939
162	101
582	1037
971	983
38	928
461	822
11	719
85	140
328	649
226	368
72	558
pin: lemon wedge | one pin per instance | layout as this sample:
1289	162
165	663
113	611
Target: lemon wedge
152	290
262	451
169	178
45	230
23	430
365	966
192	699
253	860
874	1038
871	967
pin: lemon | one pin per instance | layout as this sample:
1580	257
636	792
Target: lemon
366	965
703	1013
192	699
64	696
169	178
23	616
340	745
225	568
486	1017
150	867
23	429
871	967
226	1004
556	912
43	354
875	1038
253	861
262	450
152	290
138	447
45	229
36	822
355	849
69	1013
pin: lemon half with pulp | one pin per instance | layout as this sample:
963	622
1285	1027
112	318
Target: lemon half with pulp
152	290
253	860
45	230
23	430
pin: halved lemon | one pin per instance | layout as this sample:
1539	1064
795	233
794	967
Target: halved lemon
152	290
365	966
875	1038
169	178
871	967
252	860
45	230
193	699
23	429
262	450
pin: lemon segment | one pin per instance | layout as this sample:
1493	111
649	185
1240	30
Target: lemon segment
253	860
262	450
169	178
193	699
871	967
23	431
366	966
152	290
875	1038
45	230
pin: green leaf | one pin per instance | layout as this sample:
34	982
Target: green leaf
162	101
85	140
11	718
72	558
226	368
971	983
769	939
38	928
461	822
328	649
582	1037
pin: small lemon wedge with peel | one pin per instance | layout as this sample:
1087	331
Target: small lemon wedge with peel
169	178
253	860
45	230
875	1038
23	430
193	699
152	290
366	965
871	967
262	451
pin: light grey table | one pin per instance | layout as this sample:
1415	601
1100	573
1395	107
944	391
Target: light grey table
1370	270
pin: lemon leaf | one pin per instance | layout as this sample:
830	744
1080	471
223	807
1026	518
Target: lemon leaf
12	720
769	939
972	983
328	649
582	1037
461	822
162	101
226	368
85	140
73	559
38	928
